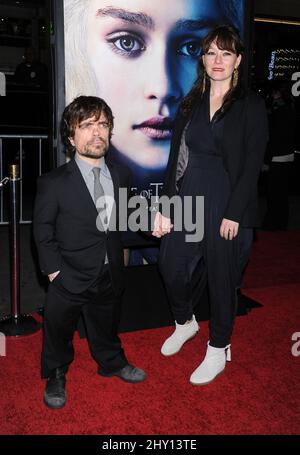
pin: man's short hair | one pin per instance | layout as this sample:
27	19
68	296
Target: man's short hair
80	109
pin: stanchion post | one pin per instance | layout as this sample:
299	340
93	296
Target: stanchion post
16	324
14	234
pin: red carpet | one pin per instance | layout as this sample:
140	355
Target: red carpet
257	394
275	260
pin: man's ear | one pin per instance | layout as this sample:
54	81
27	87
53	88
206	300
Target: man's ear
71	141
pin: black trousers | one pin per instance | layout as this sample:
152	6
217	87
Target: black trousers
188	267
100	308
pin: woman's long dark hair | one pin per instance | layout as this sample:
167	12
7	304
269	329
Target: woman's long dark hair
226	38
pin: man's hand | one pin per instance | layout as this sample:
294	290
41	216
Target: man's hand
162	225
229	229
53	275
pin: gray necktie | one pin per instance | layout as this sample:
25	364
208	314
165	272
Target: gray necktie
99	193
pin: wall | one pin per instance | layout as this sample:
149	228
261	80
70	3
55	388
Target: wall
282	8
12	47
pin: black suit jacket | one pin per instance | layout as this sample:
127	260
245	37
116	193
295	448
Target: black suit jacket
65	228
243	145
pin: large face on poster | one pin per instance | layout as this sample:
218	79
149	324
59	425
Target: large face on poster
141	56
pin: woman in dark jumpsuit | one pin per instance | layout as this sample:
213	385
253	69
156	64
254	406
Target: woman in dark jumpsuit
217	151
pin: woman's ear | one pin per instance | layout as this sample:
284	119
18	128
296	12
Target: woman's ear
238	61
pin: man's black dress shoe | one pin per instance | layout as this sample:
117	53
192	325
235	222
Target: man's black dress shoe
129	373
55	392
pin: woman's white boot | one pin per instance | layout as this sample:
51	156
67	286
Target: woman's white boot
181	334
213	364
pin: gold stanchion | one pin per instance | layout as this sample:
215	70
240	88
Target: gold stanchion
16	324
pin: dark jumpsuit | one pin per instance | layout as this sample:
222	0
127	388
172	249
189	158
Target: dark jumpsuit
188	266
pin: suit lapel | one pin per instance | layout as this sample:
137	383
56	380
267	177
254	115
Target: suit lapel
79	189
80	192
116	181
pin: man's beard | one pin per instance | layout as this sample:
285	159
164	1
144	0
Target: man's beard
95	151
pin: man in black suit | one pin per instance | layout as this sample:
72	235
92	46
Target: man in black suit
82	257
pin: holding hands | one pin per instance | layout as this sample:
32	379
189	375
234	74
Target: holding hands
162	225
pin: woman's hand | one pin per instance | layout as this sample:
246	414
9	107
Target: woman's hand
229	229
162	225
53	275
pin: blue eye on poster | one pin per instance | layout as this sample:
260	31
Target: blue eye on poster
141	56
